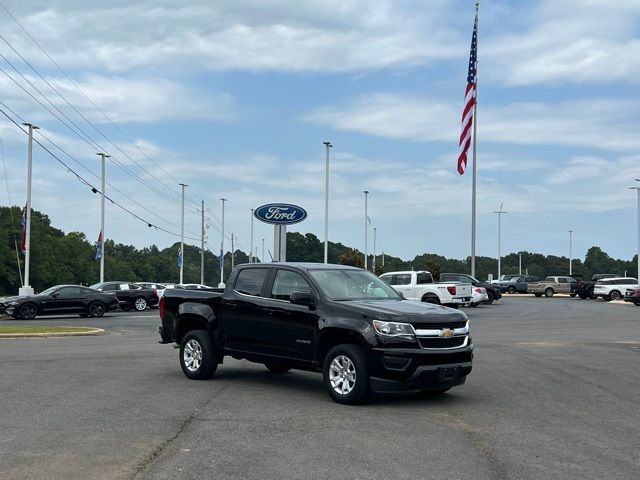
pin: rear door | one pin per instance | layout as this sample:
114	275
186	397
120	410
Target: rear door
288	330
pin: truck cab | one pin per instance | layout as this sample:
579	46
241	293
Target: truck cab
420	285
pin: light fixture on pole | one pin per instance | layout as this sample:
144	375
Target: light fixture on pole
366	226
251	257
221	284
637	189
327	146
499	212
26	288
570	252
182	185
103	237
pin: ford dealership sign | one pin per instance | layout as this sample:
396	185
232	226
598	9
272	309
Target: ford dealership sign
280	213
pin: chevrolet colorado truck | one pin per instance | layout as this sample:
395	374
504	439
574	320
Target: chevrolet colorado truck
341	321
421	286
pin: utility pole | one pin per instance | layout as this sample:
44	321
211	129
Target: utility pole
26	288
221	285
102	233
383	259
202	246
327	146
373	264
232	253
499	212
262	259
570	252
637	189
366	226
182	236
251	249
519	263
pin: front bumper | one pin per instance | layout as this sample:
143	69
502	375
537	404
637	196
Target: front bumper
404	370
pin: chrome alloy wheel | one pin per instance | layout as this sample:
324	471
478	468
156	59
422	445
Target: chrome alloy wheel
141	304
192	355
342	374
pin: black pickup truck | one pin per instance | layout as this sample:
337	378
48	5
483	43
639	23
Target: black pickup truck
341	321
584	289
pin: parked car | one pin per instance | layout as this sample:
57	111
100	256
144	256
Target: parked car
493	292
478	296
130	295
421	286
613	288
584	289
633	295
504	278
199	286
342	321
158	287
551	285
517	284
60	300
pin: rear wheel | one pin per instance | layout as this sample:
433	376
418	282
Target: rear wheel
140	304
97	309
511	289
197	358
28	311
615	295
275	368
431	298
548	292
346	374
592	295
583	295
491	298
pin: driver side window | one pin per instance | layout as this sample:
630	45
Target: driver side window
286	283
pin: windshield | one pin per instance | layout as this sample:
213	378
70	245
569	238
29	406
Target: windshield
352	285
49	291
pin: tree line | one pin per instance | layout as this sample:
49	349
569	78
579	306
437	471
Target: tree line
69	258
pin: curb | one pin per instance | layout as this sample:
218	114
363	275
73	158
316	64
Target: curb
91	333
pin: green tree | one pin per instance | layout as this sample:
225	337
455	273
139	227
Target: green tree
352	258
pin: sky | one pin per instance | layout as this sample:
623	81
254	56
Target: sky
234	99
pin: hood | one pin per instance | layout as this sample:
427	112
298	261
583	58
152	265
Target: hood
409	311
11	299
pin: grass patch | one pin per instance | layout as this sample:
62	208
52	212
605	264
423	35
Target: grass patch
13	329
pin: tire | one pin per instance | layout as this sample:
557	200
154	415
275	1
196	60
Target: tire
538	295
28	311
140	304
592	295
276	368
637	302
511	290
97	309
615	295
548	292
431	299
346	374
606	298
491	299
583	295
197	358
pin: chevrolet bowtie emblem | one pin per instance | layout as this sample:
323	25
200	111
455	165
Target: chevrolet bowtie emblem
446	332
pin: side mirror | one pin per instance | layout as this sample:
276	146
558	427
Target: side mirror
55	295
303	298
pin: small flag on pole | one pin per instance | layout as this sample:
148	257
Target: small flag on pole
23	222
469	101
99	246
179	257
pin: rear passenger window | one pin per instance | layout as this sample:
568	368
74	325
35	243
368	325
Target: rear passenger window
423	278
286	283
250	281
402	279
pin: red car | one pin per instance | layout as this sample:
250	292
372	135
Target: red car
633	295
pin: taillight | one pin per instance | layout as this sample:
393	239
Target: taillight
161	307
478	290
451	290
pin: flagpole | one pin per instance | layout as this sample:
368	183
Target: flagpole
474	170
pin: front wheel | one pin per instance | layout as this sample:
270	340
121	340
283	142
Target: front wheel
140	304
511	290
636	302
592	295
28	311
346	374
583	295
197	358
490	300
615	295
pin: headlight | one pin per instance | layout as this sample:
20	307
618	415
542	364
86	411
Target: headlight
394	329
11	304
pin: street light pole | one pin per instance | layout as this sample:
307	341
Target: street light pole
102	233
251	258
327	146
202	246
570	252
373	264
637	189
366	226
221	285
182	235
262	258
499	212
26	288
519	263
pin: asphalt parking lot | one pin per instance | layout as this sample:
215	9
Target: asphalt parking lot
554	394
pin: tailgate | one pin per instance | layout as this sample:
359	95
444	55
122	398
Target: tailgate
463	290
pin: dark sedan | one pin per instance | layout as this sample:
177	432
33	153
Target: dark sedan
130	295
60	300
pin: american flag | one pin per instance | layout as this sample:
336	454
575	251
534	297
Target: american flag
469	101
23	222
99	246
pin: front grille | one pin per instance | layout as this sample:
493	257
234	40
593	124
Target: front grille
439	325
438	342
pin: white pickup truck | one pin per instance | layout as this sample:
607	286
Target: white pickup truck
420	286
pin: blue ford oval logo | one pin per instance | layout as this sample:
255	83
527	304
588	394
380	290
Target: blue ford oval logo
280	213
